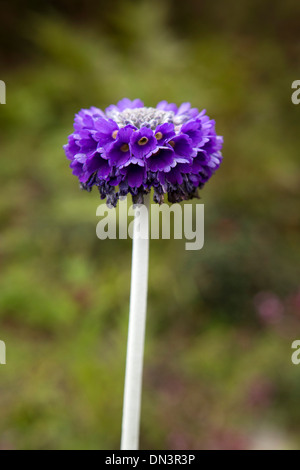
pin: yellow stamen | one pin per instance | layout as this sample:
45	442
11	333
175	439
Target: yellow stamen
124	148
158	136
143	141
114	134
172	143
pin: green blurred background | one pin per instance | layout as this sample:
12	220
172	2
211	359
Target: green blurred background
218	371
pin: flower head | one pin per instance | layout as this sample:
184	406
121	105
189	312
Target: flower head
131	148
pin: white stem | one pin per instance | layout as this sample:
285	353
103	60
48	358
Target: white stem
136	332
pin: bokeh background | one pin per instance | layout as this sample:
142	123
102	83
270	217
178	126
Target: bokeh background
218	370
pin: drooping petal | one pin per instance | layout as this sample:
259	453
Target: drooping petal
175	175
134	175
97	163
162	159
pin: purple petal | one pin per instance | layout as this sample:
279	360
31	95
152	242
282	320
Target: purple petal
76	167
85	118
167	130
175	175
97	163
182	148
165	106
71	149
117	156
105	129
117	153
193	130
80	158
125	103
185	108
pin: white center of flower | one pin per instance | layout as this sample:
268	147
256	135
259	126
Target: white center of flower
144	117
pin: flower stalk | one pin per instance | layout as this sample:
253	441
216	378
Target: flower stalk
136	330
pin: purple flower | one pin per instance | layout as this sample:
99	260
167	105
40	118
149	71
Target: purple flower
142	142
193	129
183	150
106	132
131	148
87	143
119	153
164	132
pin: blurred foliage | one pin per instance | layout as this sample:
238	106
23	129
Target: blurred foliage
221	321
